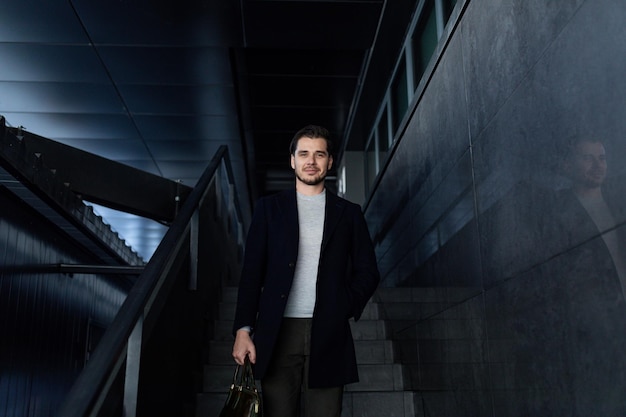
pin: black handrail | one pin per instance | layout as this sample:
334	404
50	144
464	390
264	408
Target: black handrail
110	352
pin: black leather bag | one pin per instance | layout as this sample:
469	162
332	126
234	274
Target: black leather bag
243	398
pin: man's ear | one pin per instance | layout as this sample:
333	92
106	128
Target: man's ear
293	162
330	161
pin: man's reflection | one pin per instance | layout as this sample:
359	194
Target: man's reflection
590	266
553	259
585	165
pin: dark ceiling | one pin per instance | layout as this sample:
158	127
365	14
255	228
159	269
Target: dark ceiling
160	85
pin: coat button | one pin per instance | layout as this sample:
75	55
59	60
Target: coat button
283	296
291	264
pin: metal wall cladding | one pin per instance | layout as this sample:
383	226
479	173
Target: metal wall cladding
525	313
49	322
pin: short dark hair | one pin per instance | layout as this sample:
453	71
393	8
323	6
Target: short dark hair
571	142
311	131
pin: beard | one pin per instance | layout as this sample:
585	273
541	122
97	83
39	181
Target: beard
593	179
318	179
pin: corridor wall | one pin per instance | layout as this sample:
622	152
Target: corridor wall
525	313
50	322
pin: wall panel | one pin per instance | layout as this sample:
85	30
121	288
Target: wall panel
483	207
49	321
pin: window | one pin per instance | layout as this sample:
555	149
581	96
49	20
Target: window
424	40
399	95
383	138
431	18
371	166
448	6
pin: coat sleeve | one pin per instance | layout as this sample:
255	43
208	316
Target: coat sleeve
253	270
364	270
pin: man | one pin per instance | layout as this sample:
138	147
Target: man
590	276
309	267
585	165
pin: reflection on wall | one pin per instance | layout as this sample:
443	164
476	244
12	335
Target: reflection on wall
506	196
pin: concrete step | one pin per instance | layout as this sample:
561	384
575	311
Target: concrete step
370	312
217	378
368	330
379	404
210	404
424	295
361	404
227	311
372	377
220	352
367	352
372	352
411	310
378	377
229	294
361	330
223	330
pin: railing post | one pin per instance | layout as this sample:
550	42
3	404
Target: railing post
194	233
133	359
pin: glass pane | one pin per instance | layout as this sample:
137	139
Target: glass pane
370	163
383	139
383	132
424	40
448	6
399	95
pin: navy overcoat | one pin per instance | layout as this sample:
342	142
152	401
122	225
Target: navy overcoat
347	278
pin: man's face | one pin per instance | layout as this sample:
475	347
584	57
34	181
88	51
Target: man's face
587	165
311	161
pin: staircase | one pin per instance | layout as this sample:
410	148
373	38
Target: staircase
379	393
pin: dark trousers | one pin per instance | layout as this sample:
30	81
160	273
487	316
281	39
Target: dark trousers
287	377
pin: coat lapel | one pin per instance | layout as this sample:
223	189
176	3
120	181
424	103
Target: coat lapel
334	209
288	209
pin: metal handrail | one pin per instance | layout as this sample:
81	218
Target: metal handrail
91	386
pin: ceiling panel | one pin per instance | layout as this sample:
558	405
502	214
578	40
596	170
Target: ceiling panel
120	150
311	25
59	126
180	23
179	99
175	65
29	21
302	91
183	170
50	62
295	117
184	150
188	127
316	62
46	97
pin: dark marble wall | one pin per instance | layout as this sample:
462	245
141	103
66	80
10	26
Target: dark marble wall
481	207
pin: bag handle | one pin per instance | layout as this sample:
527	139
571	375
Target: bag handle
246	379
